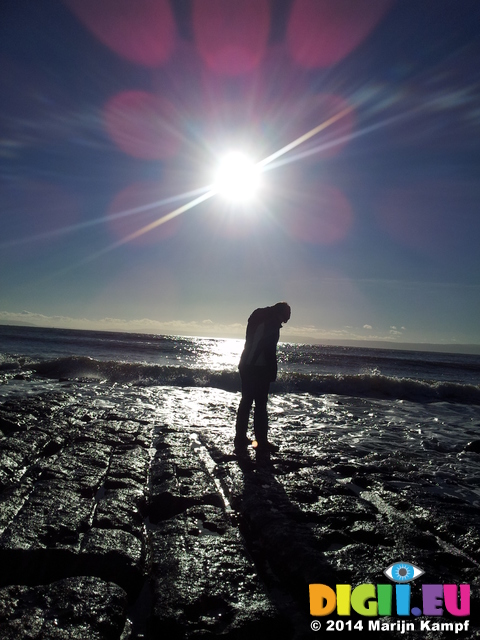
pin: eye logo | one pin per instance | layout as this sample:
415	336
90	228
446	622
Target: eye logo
403	572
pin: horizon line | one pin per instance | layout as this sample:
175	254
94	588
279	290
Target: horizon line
368	343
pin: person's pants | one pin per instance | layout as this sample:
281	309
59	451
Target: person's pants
254	390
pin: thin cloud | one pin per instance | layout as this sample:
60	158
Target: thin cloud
141	325
204	328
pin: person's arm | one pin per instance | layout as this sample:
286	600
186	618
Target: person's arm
271	337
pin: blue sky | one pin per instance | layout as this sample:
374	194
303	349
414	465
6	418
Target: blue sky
369	229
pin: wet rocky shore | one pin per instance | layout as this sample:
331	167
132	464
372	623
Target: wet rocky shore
114	525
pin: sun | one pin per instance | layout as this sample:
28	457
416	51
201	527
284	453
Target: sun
237	177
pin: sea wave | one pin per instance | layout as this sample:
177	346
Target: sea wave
368	384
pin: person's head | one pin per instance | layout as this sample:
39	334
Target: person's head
283	311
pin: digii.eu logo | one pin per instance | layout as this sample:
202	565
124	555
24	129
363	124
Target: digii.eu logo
371	600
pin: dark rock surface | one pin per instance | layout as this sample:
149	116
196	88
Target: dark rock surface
70	609
122	528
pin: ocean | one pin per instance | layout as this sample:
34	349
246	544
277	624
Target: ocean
397	405
375	463
156	360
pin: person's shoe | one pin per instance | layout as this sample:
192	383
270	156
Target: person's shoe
266	446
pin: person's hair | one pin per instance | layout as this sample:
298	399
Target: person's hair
282	306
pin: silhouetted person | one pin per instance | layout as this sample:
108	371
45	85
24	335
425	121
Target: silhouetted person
258	368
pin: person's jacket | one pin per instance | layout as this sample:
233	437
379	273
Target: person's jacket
259	357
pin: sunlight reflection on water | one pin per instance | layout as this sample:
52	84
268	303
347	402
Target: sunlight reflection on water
217	354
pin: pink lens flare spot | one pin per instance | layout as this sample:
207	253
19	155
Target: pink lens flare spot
320	33
231	36
143	125
142	31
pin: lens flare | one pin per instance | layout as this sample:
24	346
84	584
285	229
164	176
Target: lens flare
321	33
231	37
143	31
238	178
143	125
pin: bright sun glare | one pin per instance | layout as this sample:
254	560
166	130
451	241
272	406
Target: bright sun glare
237	177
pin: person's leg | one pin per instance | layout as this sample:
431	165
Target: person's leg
244	408
260	415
